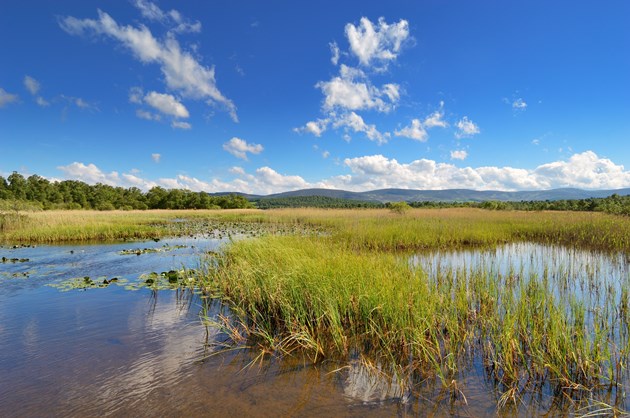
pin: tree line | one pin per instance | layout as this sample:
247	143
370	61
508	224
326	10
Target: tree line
313	202
36	192
615	204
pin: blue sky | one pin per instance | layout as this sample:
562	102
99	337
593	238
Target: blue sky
264	97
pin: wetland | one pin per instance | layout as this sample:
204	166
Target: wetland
309	312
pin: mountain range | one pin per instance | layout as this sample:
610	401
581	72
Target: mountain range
450	195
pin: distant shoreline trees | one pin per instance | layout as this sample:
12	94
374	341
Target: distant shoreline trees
35	192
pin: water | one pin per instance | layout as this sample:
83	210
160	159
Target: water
114	352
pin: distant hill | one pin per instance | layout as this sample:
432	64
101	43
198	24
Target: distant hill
450	195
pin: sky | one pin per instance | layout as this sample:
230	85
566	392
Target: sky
264	97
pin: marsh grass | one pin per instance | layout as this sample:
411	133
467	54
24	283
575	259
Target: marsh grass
347	286
353	290
324	300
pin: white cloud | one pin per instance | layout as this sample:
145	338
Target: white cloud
536	141
519	104
239	148
156	157
356	123
166	104
392	91
325	154
193	184
459	155
466	128
317	127
418	130
180	125
334	52
237	170
6	98
585	170
152	11
435	120
182	72
42	102
31	85
379	43
143	114
414	131
90	174
351	90
268	177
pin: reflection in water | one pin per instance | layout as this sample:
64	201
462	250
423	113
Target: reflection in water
146	353
368	383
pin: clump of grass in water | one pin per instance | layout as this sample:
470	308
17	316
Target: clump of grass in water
322	298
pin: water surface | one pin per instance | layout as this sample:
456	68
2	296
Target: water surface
114	352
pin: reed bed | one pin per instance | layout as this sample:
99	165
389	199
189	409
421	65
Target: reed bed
323	299
349	285
355	290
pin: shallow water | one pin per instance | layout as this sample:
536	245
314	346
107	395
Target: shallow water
114	352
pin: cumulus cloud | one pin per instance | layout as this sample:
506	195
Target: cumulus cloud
317	127
466	128
6	98
378	43
418	130
166	104
584	170
156	157
239	148
353	122
31	85
182	71
351	90
414	131
374	45
270	178
459	154
90	174
436	119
